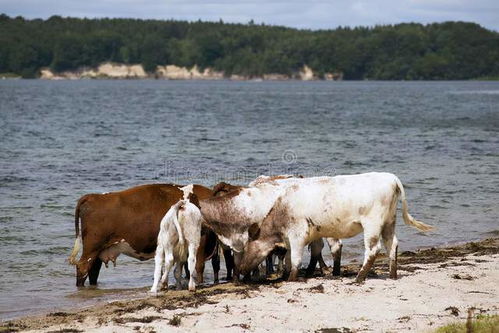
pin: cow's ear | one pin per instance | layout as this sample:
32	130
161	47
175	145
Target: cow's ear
194	199
217	189
254	231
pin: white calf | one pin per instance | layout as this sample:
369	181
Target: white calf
178	242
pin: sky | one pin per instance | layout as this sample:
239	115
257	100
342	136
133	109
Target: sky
307	14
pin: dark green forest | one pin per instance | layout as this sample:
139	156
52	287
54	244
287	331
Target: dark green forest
439	51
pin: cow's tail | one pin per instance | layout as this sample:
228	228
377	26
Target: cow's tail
78	241
408	219
178	226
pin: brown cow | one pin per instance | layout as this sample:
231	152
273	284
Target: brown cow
125	222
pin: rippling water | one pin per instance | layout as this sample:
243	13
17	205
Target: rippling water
62	139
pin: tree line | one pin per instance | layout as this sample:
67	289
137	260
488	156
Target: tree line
409	51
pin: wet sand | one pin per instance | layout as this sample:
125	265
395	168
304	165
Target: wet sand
435	286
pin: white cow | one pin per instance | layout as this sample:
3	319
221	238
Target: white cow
335	245
178	242
316	246
336	207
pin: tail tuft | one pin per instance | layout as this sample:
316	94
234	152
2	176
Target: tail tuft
408	219
78	239
76	248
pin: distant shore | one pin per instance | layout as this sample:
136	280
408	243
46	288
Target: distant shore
187	75
110	70
435	287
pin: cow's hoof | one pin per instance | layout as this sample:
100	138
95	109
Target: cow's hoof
327	270
358	282
293	276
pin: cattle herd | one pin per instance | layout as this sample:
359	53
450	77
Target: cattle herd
276	215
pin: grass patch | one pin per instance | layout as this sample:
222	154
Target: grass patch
482	324
147	319
175	321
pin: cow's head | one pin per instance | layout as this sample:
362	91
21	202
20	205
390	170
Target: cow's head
257	249
223	188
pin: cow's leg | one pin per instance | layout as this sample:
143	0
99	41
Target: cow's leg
229	263
315	255
94	271
177	272
83	267
296	247
200	257
237	262
335	246
321	262
287	262
215	263
158	265
191	261
280	264
269	264
391	245
311	266
90	253
199	266
372	247
169	261
256	272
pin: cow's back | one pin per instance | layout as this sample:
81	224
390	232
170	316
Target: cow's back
339	204
132	215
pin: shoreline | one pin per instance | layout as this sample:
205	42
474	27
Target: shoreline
228	79
428	277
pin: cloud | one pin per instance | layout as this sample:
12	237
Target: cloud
312	14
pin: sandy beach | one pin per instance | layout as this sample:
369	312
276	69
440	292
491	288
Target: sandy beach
436	286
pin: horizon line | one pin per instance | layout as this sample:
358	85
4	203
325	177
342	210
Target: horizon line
251	22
